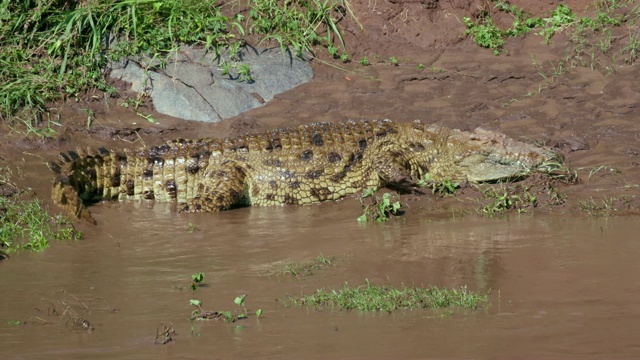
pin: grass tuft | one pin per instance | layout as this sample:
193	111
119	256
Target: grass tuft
26	224
370	297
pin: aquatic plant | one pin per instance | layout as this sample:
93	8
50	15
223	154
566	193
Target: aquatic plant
379	208
370	297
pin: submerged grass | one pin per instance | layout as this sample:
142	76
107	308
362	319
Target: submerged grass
370	297
605	207
309	267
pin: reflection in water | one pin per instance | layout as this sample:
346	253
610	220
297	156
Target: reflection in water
555	281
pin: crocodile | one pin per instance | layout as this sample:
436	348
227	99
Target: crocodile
297	165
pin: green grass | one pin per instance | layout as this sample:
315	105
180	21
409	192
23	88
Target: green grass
370	297
301	25
560	18
486	34
25	224
53	50
446	187
607	206
503	199
585	32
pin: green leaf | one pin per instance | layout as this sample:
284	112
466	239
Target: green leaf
198	278
368	192
240	300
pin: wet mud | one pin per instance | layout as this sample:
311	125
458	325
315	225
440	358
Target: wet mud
561	278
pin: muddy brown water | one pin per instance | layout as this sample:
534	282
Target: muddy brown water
560	286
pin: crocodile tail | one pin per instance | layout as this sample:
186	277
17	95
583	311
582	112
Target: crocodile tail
67	197
77	181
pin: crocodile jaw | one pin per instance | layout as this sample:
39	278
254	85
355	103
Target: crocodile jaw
500	167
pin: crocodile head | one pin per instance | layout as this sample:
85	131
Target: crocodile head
488	156
494	157
494	166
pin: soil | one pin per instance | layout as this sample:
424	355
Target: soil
562	283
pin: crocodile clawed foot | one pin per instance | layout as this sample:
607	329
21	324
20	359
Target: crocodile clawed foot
189	208
406	186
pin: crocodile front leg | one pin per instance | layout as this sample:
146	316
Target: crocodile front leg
219	189
397	171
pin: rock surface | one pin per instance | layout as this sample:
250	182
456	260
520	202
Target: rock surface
194	85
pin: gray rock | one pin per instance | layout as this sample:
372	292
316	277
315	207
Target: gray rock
191	84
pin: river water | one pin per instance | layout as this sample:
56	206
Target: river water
560	287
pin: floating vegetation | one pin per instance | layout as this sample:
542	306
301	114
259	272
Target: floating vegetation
370	297
226	316
308	268
69	310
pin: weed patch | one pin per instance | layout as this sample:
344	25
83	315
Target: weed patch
446	187
26	224
485	33
605	207
370	297
600	171
378	208
301	25
503	199
588	34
